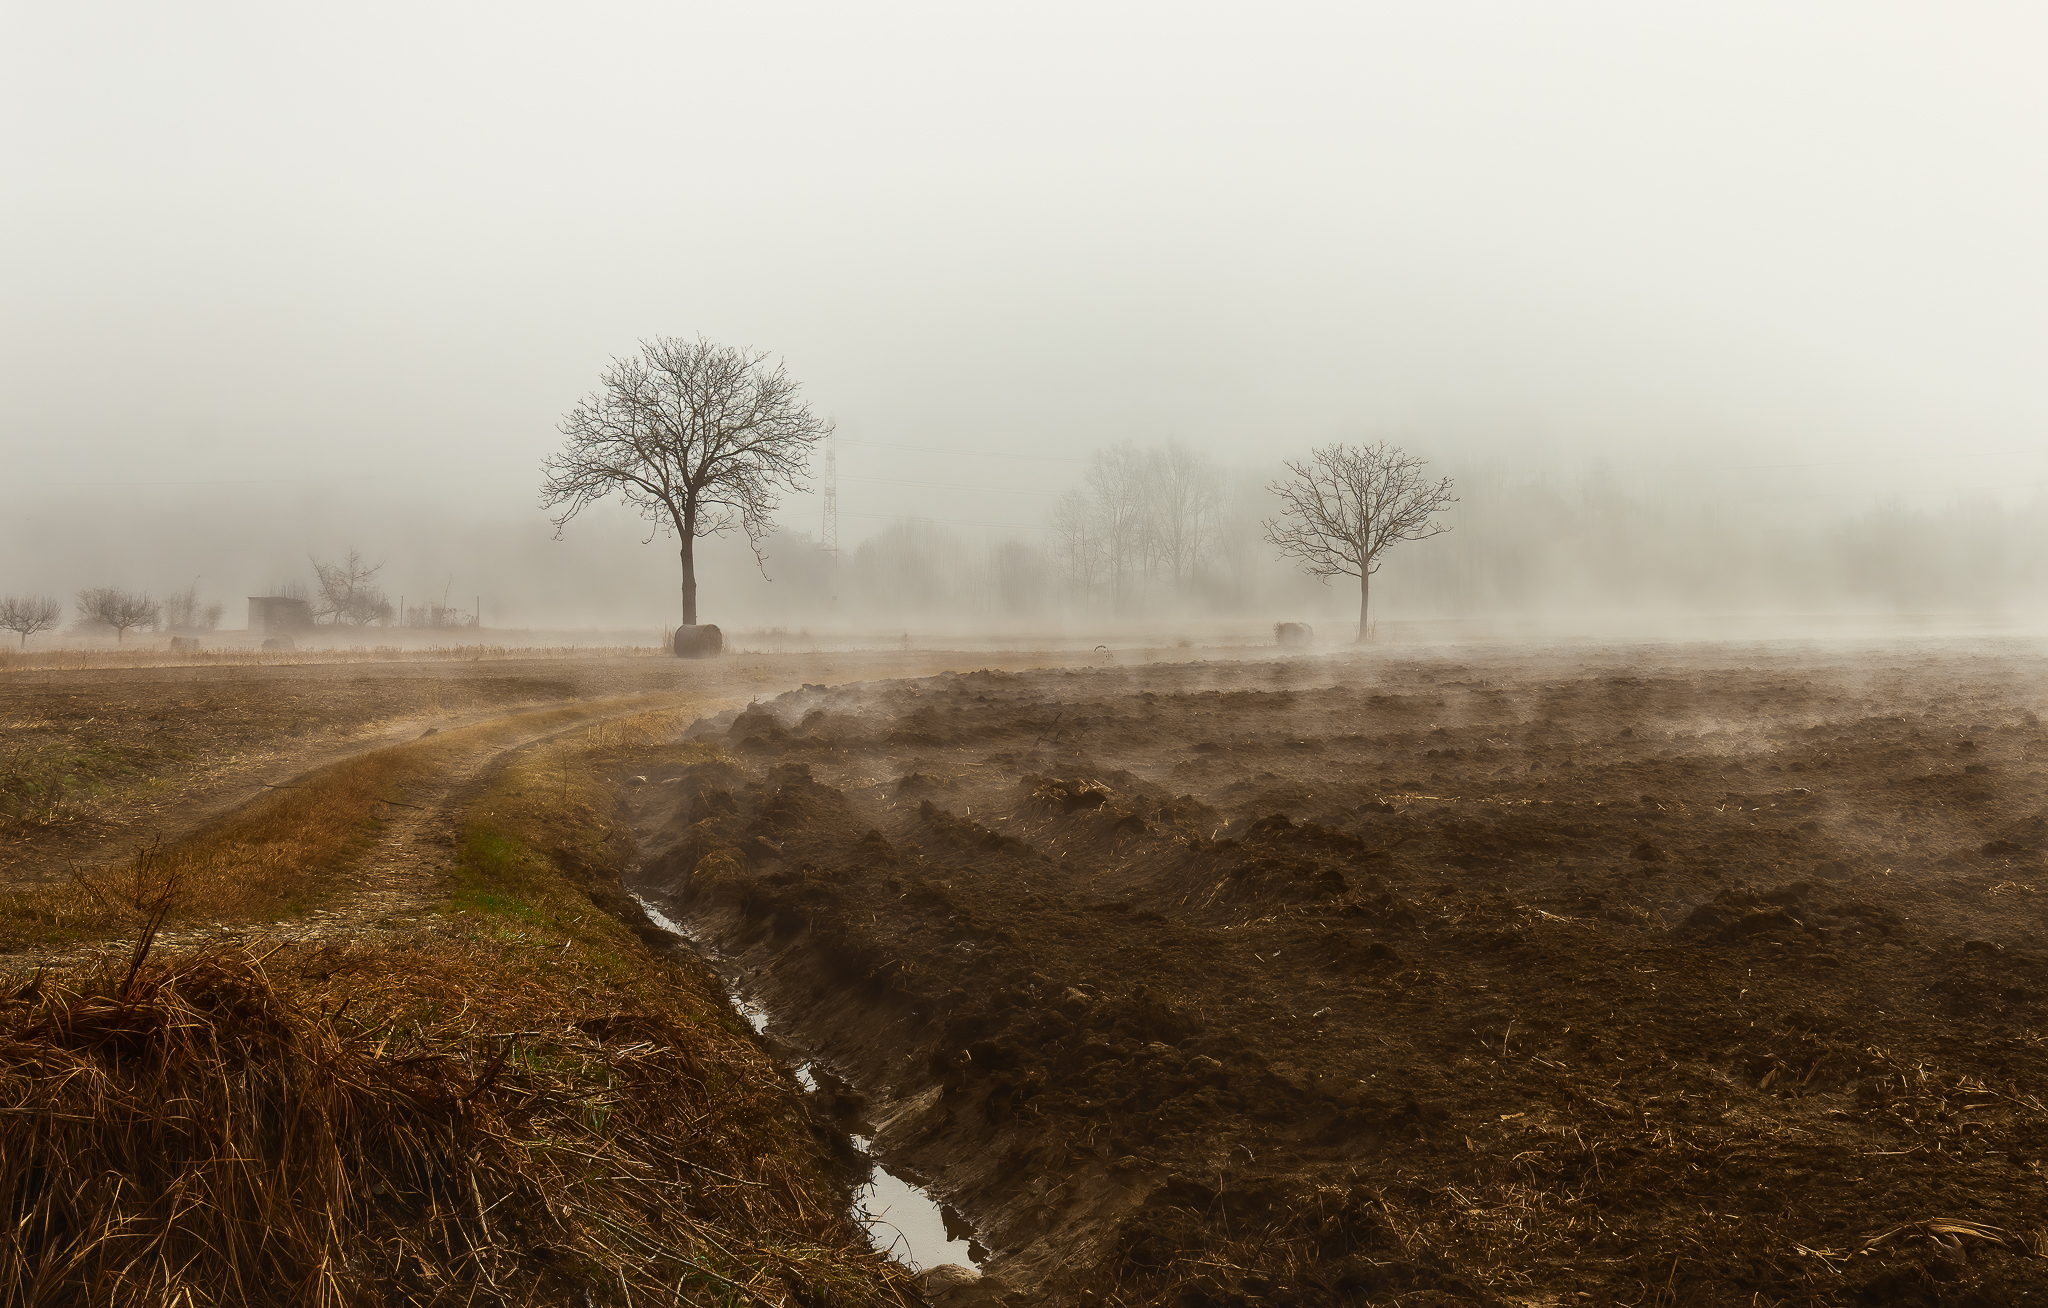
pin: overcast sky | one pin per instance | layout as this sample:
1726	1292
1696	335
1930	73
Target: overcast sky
385	247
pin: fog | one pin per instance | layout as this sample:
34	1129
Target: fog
1726	309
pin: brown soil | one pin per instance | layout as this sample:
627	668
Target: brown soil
1667	976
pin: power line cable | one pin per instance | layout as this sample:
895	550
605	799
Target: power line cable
224	481
950	522
948	485
986	454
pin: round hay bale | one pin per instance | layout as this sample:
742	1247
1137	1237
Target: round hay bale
1298	635
704	641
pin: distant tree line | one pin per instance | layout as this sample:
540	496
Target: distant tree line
345	594
1527	542
1532	542
702	439
1142	520
111	607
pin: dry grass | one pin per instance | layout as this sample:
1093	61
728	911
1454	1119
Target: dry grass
519	1104
202	1130
143	656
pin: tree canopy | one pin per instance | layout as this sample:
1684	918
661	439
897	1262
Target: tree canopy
119	609
28	614
700	438
1347	504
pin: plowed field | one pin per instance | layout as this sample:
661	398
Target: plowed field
1693	976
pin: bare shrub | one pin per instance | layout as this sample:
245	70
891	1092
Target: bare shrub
437	616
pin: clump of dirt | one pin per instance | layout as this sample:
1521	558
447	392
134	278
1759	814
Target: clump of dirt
1452	981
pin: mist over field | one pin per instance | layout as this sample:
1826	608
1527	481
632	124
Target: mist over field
1197	654
1708	313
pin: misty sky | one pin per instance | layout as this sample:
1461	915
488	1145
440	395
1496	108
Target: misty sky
374	252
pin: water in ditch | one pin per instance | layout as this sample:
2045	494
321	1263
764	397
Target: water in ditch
901	1219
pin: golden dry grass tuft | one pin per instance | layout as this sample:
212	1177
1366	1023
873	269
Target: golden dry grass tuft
200	1129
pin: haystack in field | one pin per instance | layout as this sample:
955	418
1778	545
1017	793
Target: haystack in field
1294	635
699	642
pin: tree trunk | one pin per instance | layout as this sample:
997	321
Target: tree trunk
1364	591
689	578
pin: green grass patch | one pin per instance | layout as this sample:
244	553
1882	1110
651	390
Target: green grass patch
40	782
498	877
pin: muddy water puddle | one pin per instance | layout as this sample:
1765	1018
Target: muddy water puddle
901	1219
905	1223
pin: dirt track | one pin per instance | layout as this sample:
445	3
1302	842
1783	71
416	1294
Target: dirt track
1657	976
95	761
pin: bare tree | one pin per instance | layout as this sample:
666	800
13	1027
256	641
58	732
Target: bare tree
1118	487
1077	543
183	611
118	609
1184	501
1142	515
346	592
28	614
1347	504
698	437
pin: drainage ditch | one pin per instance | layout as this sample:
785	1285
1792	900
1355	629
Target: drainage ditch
901	1219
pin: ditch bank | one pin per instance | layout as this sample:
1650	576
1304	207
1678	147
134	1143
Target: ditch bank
901	1217
1023	1058
1031	1226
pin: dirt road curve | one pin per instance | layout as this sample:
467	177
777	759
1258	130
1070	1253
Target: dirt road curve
99	761
94	762
403	869
1666	975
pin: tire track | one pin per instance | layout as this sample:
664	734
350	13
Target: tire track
406	870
